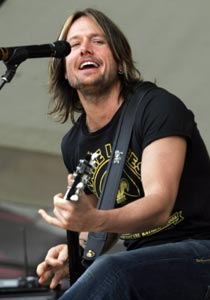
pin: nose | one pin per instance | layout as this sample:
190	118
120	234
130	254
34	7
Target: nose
86	48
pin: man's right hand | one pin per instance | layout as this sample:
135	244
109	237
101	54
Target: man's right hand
55	266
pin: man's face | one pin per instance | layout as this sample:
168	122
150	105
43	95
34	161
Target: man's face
90	66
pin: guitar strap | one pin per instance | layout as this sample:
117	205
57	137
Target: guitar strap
96	240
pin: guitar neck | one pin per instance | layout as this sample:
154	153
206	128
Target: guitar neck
75	266
80	179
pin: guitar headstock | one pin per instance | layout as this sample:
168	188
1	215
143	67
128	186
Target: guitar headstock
81	176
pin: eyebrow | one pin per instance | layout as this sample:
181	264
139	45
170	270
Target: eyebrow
92	35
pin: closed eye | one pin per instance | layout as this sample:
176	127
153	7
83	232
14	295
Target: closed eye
75	44
99	41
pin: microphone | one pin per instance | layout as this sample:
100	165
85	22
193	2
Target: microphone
58	49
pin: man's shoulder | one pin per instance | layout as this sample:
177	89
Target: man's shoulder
158	96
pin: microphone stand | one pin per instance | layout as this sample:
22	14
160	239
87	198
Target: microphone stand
18	56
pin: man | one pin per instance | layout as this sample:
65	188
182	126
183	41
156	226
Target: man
163	204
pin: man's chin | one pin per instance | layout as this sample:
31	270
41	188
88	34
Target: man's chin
89	86
95	87
89	89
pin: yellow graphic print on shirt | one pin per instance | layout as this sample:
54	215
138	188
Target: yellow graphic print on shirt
130	187
174	219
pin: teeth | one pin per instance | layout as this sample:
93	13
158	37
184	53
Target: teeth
89	63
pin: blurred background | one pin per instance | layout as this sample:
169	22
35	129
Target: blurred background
170	42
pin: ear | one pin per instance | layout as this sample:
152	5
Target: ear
120	69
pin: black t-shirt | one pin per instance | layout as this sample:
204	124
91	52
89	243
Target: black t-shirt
159	115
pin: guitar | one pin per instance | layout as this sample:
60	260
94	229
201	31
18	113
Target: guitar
80	180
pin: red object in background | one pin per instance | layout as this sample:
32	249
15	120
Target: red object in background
24	240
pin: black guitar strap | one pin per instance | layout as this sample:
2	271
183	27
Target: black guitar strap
96	240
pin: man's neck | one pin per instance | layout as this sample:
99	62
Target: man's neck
100	109
100	115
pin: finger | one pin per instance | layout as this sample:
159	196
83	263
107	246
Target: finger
47	267
63	255
70	179
55	280
41	268
54	263
46	276
61	202
49	219
58	196
65	205
61	214
55	251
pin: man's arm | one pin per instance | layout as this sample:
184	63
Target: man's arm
161	169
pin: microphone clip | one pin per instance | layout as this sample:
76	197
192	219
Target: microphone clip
18	56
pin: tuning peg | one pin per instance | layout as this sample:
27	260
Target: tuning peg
74	198
80	187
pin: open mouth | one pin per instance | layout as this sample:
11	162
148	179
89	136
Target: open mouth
88	65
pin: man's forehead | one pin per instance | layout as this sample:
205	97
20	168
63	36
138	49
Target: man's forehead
85	25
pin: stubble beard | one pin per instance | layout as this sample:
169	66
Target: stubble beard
97	88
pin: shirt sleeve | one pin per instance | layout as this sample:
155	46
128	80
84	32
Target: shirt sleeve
161	115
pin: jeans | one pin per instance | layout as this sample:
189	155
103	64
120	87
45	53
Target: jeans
172	271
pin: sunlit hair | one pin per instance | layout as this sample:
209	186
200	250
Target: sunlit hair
65	101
